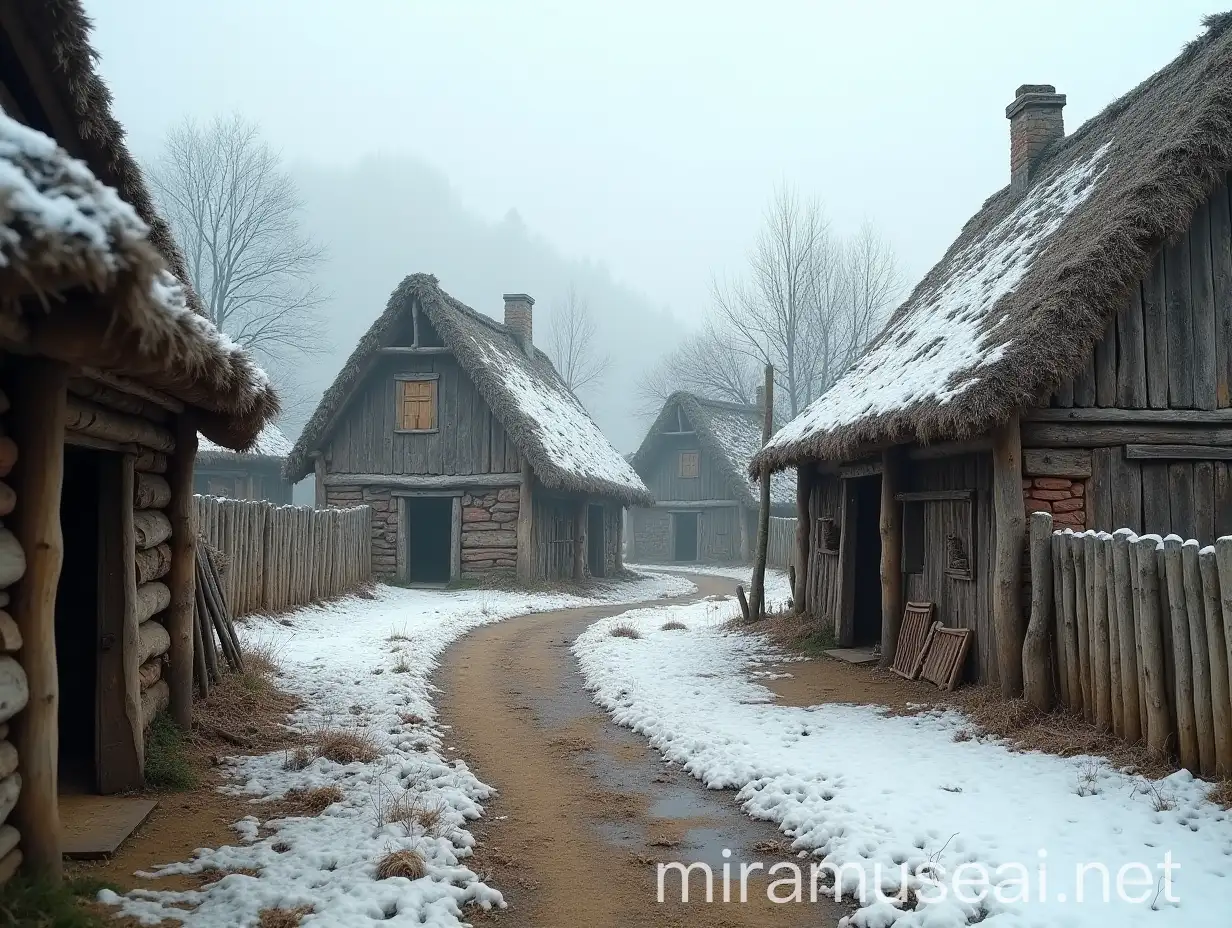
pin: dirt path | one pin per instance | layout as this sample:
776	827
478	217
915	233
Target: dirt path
587	809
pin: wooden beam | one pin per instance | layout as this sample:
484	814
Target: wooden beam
891	555
124	385
1009	529
1142	416
444	481
804	527
1037	646
98	422
1056	462
402	351
181	579
579	541
679	432
526	523
1178	453
696	504
1100	435
455	538
319	471
948	449
118	400
935	496
37	421
854	471
844	617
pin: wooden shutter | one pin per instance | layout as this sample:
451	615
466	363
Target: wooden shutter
688	463
417	405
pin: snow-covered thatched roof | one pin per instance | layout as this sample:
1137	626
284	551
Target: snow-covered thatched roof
1014	308
730	433
547	422
271	446
81	220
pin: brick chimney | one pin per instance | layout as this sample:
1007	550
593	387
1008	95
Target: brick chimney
1035	123
519	317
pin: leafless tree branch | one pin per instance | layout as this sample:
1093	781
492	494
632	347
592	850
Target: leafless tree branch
572	343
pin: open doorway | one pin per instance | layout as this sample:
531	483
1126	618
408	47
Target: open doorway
866	602
429	538
684	531
595	541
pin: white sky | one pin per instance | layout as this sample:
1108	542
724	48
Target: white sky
647	136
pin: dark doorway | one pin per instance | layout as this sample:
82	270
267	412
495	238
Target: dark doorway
77	624
595	541
685	526
867	599
429	538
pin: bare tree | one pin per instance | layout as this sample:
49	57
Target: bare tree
573	343
707	363
235	212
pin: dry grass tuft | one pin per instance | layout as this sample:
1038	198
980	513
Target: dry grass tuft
790	631
282	918
625	631
406	863
213	876
306	801
410	810
246	710
412	718
674	626
345	745
299	758
1221	793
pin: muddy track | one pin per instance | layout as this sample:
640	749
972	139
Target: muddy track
587	809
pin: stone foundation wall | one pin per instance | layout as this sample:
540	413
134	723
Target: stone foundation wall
489	531
1064	497
651	531
384	524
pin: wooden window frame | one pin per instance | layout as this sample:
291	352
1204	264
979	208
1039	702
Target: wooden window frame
436	399
697	464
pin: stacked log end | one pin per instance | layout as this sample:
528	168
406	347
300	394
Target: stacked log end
13	689
151	533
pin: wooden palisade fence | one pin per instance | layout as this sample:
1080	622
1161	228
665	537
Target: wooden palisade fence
277	557
782	548
1135	633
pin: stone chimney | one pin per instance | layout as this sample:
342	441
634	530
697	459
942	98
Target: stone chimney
1035	123
518	319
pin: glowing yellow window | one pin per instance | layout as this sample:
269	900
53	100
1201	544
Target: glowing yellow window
417	405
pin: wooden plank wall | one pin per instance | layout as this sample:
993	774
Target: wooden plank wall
470	439
649	535
822	588
1192	499
552	535
1170	345
781	550
662	474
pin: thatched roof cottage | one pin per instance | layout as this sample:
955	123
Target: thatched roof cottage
106	375
695	459
253	474
474	454
1072	351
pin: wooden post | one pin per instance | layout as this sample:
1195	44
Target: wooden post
1101	675
1196	615
1186	723
891	554
579	542
318	468
1082	602
1150	633
37	419
804	526
1058	611
620	540
1036	668
1114	637
181	579
526	524
1123	581
1069	625
1009	521
758	586
1221	683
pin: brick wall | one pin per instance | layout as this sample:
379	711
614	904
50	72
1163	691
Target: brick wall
1064	497
651	531
489	531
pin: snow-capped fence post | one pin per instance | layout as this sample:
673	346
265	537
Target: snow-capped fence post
1069	627
1199	658
1058	621
1114	637
1223	566
1216	645
1123	583
1150	633
1097	584
1183	692
1036	669
1082	602
1009	517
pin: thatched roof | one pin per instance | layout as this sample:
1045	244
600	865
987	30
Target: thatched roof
271	447
730	433
89	272
1013	309
550	427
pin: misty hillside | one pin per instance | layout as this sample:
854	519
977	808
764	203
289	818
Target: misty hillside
388	217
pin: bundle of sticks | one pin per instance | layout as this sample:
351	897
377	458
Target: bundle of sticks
212	616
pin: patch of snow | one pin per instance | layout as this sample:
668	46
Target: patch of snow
363	665
872	793
951	332
270	443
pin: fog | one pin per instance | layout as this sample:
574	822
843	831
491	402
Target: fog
626	149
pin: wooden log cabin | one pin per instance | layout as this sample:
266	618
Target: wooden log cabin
106	375
475	457
1071	352
255	474
695	460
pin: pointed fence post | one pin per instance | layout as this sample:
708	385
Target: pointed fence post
757	599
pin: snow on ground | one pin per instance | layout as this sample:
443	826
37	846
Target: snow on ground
778	590
872	793
363	665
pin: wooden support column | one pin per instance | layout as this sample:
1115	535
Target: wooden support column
579	542
181	579
804	528
39	390
1036	649
318	466
891	554
620	539
526	523
758	598
1009	529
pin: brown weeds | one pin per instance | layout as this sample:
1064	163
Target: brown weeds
405	863
282	918
625	631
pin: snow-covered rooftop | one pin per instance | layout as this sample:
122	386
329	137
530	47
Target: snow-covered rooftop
270	443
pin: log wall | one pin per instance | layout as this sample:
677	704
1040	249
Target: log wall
152	537
277	557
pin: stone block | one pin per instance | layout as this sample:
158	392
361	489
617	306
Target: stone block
507	495
1075	518
474	514
492	539
1050	494
1078	489
1068	505
1053	483
505	507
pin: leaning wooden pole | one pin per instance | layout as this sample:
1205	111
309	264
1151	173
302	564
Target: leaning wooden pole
181	579
1009	520
1037	647
804	526
39	389
758	585
891	555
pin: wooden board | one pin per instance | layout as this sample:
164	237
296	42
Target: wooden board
94	827
913	638
947	651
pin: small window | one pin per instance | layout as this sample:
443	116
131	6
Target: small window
688	463
913	538
417	405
